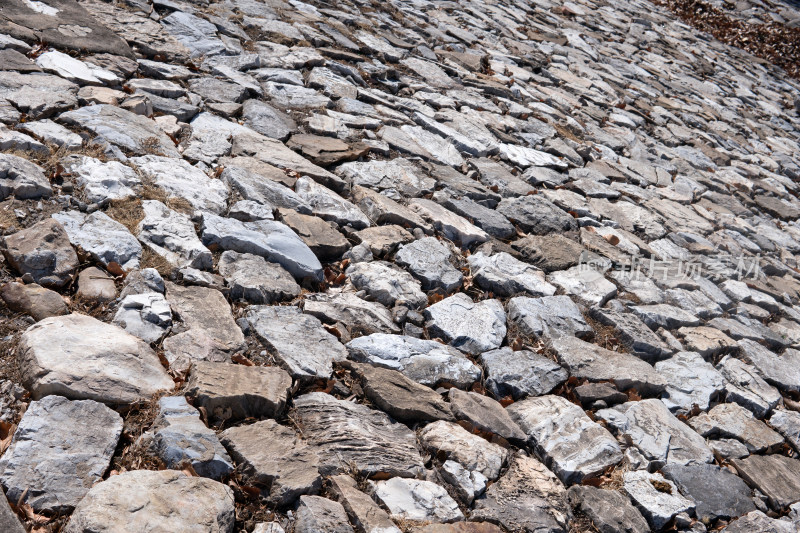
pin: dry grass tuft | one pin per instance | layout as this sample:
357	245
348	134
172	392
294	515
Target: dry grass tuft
127	212
151	259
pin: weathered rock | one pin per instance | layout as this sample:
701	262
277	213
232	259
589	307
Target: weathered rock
380	209
745	387
360	316
274	457
550	252
734	421
268	238
429	261
326	243
178	179
776	476
364	513
787	423
585	283
256	187
383	240
147	316
657	433
450	441
521	373
328	205
472	327
267	120
298	341
22	179
387	284
79	357
665	316
635	334
451	226
121	128
535	214
549	317
252	278
42	254
484	413
179	437
8	518
572	444
94	285
172	236
33	300
145	500
353	436
320	515
403	399
585	360
417	500
529	497
201	309
690	381
234	392
758	521
782	371
656	497
706	341
609	511
717	492
426	362
504	275
104	239
59	449
590	393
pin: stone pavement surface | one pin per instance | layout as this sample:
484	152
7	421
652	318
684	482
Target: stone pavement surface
430	266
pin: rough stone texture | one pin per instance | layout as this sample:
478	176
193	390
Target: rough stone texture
387	284
179	437
657	433
484	413
94	285
79	357
586	284
364	513
449	441
586	360
469	326
426	362
319	515
204	310
22	179
573	445
548	317
717	492
747	388
144	500
274	457
42	254
360	316
656	497
787	423
417	501
734	421
255	280
521	373
529	497
298	341
635	335
428	260
147	316
690	381
33	300
609	511
353	436
403	399
171	235
326	243
59	450
234	392
506	276
782	371
776	476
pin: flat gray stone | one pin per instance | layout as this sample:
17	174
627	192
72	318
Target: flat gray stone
429	261
59	450
235	392
270	239
403	399
717	492
360	316
484	413
585	283
787	423
504	275
274	457
147	316
776	476
665	316
298	341
320	515
781	371
521	373
586	360
328	205
104	239
537	215
102	181
148	500
657	505
745	387
427	362
267	120
122	128
657	433
416	500
635	334
690	381
548	317
79	357
42	254
180	437
253	186
354	437
22	179
255	280
364	513
573	446
472	327
204	312
729	420
608	510
387	284
179	179
172	236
